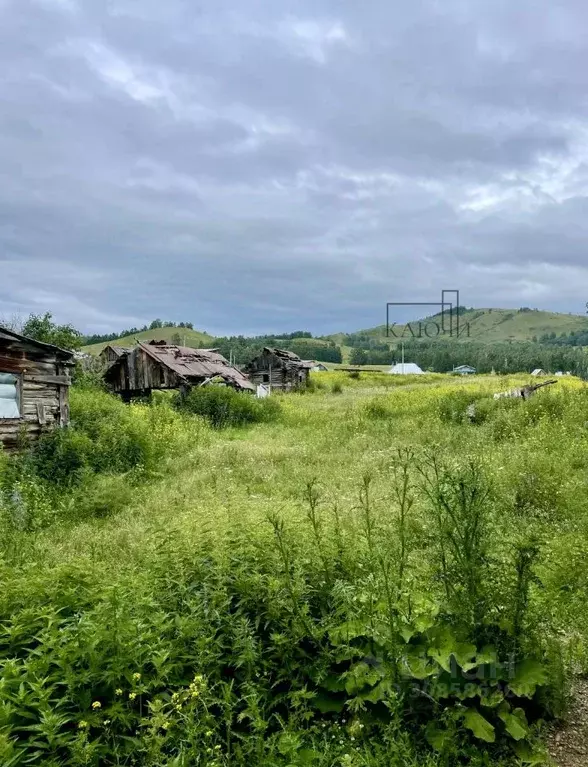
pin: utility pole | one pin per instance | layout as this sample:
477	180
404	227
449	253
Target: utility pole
403	357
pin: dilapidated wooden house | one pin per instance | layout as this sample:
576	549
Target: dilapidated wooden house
161	365
34	387
279	369
112	353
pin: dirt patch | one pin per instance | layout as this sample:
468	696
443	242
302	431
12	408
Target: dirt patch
568	743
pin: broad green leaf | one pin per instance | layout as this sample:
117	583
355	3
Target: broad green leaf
447	645
437	738
528	676
515	723
480	727
491	699
488	654
424	622
464	654
528	755
360	676
418	667
442	655
407	633
377	694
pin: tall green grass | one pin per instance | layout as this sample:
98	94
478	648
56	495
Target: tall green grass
359	582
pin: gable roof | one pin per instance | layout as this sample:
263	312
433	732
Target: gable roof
118	350
10	335
189	363
464	367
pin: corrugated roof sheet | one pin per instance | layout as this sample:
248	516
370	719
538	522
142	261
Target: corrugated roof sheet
196	363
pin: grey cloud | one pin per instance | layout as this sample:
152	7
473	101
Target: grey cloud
289	165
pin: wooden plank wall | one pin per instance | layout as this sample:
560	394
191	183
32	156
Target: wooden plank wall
139	372
44	387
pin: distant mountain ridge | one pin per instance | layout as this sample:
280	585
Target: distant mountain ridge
488	326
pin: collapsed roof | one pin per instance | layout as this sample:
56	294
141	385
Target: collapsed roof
196	365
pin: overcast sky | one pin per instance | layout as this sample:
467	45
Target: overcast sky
263	165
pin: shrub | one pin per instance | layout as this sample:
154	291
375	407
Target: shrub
453	407
107	436
222	406
337	387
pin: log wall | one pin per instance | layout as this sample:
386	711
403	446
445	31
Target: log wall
44	382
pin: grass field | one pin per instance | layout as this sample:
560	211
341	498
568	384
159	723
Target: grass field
309	590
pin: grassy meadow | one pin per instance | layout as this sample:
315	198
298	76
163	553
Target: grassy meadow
354	576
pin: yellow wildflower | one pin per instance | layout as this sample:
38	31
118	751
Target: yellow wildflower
132	695
96	705
118	691
136	677
82	725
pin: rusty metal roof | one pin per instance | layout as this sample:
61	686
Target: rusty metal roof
196	363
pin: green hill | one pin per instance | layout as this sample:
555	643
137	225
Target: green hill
485	325
193	338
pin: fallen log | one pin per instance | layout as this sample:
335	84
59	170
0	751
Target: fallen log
523	392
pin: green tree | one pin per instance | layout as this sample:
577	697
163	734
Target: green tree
42	328
358	357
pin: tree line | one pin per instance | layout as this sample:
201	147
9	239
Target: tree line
98	338
513	357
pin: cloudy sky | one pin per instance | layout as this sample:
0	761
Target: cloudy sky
263	165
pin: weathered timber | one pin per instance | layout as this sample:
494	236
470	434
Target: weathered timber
279	369
43	379
36	380
159	365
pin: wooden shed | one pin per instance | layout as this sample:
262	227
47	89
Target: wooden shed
279	369
34	387
112	353
160	365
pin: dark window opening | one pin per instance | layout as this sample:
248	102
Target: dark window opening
266	377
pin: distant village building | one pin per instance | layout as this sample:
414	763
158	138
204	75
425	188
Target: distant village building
34	387
279	369
318	367
464	370
406	368
160	365
538	372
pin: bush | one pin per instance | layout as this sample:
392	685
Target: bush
107	436
222	406
337	388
